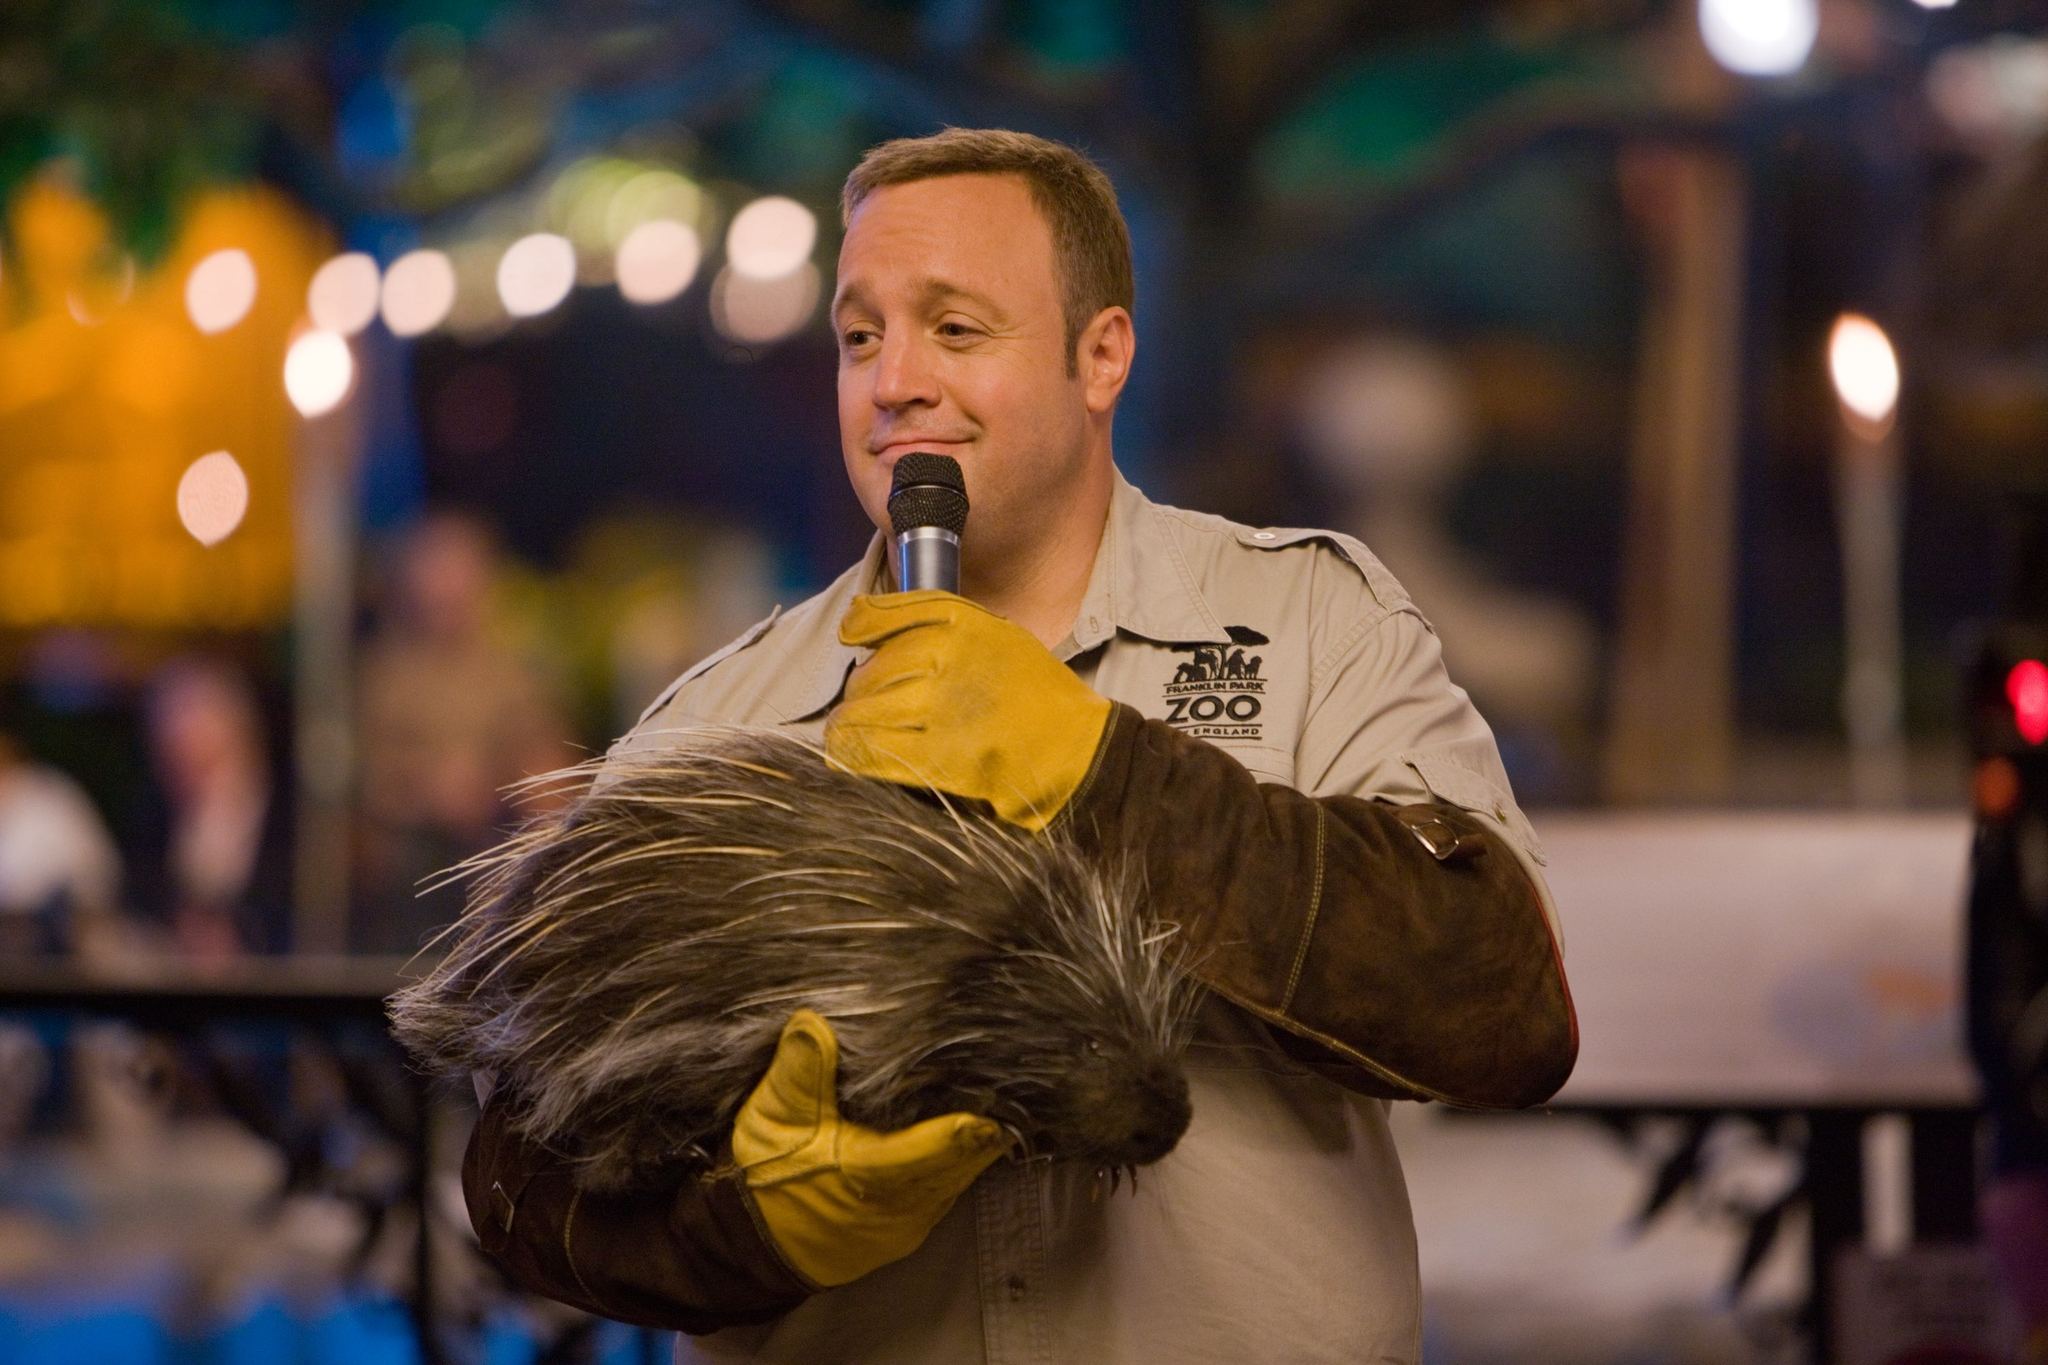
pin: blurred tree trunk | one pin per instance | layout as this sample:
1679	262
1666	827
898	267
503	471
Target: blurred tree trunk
1671	719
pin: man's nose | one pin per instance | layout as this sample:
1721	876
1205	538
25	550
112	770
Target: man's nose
904	374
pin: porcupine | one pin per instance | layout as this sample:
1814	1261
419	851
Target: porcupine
625	965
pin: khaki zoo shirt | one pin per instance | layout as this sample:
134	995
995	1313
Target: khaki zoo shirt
1279	1229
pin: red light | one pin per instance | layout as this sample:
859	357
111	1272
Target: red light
2026	687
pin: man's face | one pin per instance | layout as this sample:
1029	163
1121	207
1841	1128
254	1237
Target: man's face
952	340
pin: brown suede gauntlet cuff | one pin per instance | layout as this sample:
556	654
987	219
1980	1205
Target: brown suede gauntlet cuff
1403	943
689	1259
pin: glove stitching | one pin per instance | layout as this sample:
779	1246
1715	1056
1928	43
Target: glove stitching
775	1248
1345	1050
569	1255
1315	906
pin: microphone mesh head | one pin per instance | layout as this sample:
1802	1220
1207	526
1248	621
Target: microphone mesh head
924	467
927	490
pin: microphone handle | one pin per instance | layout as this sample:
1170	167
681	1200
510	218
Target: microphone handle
928	557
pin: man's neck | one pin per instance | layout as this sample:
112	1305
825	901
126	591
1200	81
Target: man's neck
1042	595
1040	582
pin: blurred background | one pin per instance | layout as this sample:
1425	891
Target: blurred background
396	394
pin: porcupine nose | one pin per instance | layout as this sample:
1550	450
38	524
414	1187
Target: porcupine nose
1164	1112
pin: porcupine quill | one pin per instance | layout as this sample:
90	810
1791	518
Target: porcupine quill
625	965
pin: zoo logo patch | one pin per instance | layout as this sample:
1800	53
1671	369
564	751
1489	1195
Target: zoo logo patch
1217	693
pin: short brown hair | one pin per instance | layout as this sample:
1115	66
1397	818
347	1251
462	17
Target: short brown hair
1091	243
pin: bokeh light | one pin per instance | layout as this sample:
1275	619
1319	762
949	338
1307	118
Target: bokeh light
319	370
213	496
419	289
1994	92
650	196
2026	687
1864	367
578	205
756	311
770	238
536	273
1760	37
220	290
342	297
657	260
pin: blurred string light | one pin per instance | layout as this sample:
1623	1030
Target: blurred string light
342	295
220	290
597	201
578	204
536	273
649	197
657	260
1935	4
755	311
770	238
319	371
1760	37
419	289
213	496
1865	369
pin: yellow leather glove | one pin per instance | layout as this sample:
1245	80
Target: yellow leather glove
958	699
840	1199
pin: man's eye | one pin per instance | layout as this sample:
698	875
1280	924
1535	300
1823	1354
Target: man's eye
955	329
857	336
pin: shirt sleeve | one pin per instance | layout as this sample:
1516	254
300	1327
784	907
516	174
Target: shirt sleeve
691	1256
1385	722
1387	915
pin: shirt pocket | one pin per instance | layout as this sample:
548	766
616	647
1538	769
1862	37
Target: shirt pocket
1450	780
1262	762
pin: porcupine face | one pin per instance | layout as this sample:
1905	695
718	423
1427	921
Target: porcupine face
1081	1017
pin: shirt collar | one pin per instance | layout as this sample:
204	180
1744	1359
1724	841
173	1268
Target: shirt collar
1140	584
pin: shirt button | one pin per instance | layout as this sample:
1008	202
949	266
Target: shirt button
1015	1284
1094	624
1262	535
1500	813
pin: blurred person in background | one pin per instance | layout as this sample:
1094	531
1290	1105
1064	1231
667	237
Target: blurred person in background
60	874
449	716
1391	422
211	852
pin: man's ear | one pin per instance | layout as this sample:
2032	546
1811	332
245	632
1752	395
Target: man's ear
1102	355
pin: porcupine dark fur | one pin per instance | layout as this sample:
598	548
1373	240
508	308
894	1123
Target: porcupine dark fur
626	964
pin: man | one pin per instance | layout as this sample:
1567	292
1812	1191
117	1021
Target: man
1259	717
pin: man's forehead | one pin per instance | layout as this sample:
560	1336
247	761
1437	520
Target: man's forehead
948	228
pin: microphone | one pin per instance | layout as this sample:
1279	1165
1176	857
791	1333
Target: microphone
927	512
